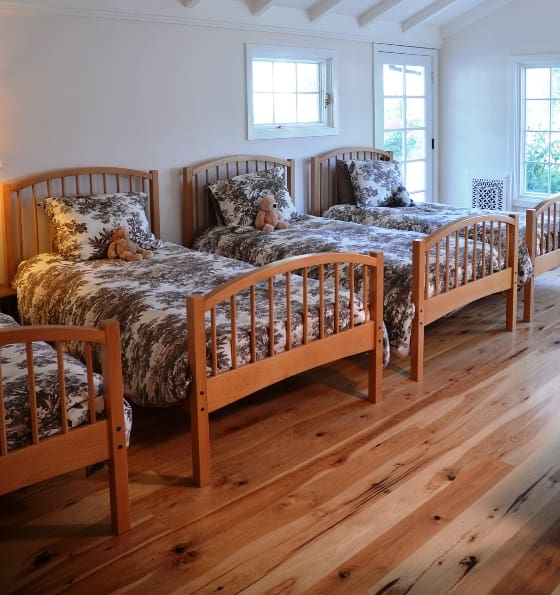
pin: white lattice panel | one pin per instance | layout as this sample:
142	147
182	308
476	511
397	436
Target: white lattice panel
490	192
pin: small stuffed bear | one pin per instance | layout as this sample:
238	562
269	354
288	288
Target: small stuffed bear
399	198
122	247
269	217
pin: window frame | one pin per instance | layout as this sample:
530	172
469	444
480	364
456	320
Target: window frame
521	64
326	59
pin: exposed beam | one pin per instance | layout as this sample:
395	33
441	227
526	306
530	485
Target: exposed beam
189	3
376	11
427	13
257	7
321	8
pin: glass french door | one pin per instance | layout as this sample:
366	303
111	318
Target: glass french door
404	108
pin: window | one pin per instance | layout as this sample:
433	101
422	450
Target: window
404	107
538	126
290	92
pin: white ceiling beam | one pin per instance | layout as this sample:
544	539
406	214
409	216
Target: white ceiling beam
257	7
321	8
425	14
376	11
189	3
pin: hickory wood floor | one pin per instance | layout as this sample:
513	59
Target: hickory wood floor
448	486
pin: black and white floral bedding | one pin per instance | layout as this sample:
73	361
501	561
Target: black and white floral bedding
424	218
148	299
13	359
307	234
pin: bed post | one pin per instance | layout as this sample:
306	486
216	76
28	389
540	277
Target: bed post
511	296
200	430
531	240
417	337
8	233
375	376
188	207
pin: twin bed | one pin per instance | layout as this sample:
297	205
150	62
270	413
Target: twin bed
426	276
197	329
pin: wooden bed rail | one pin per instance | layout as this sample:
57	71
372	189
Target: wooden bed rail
213	388
442	282
97	440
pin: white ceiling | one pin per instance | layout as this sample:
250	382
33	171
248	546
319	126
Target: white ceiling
401	16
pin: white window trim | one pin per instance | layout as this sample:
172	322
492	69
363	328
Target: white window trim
519	63
330	127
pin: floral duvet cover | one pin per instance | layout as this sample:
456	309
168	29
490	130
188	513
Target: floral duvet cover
148	299
318	234
425	218
15	389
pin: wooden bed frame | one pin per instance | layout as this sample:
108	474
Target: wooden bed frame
543	242
323	175
73	448
26	220
198	210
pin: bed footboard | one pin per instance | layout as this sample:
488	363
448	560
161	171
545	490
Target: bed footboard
543	243
460	263
68	448
307	323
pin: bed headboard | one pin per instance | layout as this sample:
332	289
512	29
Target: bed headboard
26	228
324	191
198	211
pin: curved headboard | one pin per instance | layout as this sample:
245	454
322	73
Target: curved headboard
26	229
324	193
198	211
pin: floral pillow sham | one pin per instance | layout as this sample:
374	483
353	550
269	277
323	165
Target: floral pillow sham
83	224
373	181
238	197
13	359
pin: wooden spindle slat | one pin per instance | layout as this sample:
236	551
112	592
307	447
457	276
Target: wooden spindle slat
270	318
321	301
233	330
214	341
288	312
305	299
32	394
88	351
253	306
62	397
3	434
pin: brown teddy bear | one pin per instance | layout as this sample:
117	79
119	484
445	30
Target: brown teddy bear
122	247
269	217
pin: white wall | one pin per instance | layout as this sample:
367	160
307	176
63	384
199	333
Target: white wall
78	91
477	90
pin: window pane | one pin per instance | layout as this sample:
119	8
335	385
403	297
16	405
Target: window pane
308	78
536	146
536	178
415	145
537	83
415	179
393	113
554	179
393	141
538	115
414	80
284	77
285	108
415	113
308	108
555	147
555	115
418	196
393	79
262	76
263	112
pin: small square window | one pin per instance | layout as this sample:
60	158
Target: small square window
290	92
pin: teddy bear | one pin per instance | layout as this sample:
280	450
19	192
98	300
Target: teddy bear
121	246
268	216
399	198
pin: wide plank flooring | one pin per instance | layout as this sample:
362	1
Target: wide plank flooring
451	485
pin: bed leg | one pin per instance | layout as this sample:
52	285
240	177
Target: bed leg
417	348
118	461
528	297
200	439
375	369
